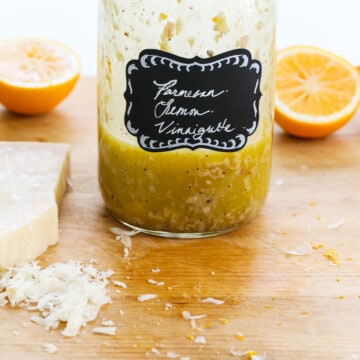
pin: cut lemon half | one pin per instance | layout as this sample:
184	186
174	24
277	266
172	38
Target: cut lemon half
317	92
36	74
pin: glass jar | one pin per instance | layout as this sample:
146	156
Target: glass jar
185	112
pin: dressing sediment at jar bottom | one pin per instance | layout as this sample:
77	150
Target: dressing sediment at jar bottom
183	191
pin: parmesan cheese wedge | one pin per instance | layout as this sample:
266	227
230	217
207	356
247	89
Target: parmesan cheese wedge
33	181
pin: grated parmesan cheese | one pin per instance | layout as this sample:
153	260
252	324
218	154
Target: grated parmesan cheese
155	351
122	232
171	355
300	250
124	236
169	306
146	297
211	300
154	282
105	330
119	283
200	340
125	240
250	354
50	348
187	316
126	252
107	323
337	224
63	292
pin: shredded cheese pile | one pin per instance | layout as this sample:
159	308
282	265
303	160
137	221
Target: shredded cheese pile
62	292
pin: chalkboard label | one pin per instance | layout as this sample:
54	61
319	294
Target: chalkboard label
174	102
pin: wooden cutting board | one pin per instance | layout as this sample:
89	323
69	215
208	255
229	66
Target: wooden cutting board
280	305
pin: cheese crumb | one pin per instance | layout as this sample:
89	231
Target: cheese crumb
122	232
300	250
211	300
63	292
187	316
125	240
155	351
200	340
124	237
154	282
169	306
107	323
337	224
171	355
250	354
146	297
119	283
105	330
50	348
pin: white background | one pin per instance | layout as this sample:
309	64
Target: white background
331	24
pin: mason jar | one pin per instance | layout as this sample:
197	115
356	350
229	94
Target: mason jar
185	112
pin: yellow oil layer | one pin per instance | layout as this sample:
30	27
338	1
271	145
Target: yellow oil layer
183	191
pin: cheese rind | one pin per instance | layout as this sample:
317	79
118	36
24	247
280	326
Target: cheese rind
33	179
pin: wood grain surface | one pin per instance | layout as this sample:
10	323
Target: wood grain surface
280	305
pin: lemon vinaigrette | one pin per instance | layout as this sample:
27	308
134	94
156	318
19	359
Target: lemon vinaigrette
185	113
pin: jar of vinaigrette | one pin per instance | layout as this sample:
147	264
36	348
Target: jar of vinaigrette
185	112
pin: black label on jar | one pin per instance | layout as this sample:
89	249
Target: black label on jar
174	102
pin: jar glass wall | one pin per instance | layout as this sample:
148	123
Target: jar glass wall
185	112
